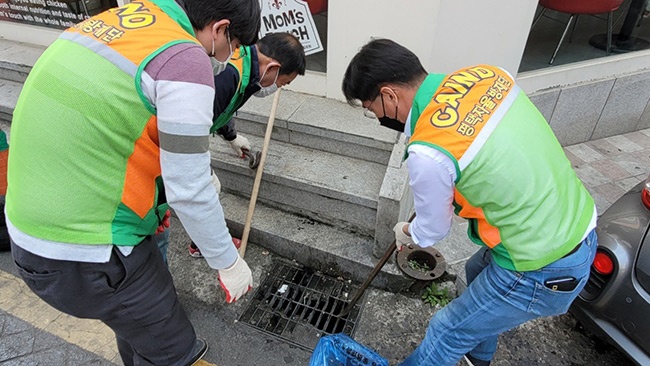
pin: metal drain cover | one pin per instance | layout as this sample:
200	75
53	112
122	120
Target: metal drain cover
299	305
421	263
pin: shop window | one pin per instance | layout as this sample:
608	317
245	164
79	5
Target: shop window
306	19
59	14
586	37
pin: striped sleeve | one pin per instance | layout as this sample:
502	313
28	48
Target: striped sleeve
179	83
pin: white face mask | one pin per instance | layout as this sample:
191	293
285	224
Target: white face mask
265	91
219	66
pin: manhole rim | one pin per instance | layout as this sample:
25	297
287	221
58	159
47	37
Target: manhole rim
402	259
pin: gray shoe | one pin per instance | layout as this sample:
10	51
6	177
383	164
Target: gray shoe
199	350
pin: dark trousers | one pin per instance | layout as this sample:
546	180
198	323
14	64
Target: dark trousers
133	295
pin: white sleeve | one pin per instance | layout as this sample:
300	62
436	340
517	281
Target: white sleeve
183	93
432	175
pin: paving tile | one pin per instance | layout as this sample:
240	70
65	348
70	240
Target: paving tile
602	203
77	356
645	131
49	357
591	177
639	138
623	143
611	169
14	325
575	161
585	152
635	163
628	183
604	147
610	191
16	345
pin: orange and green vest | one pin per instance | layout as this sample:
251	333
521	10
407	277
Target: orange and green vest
243	66
514	184
84	165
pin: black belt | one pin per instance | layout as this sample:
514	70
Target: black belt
573	250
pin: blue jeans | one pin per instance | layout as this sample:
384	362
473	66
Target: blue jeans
162	242
495	301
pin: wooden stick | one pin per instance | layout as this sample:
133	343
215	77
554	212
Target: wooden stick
258	175
389	251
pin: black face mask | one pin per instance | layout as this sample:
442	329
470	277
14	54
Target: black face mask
392	123
388	122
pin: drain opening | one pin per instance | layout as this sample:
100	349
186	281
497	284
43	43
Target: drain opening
299	305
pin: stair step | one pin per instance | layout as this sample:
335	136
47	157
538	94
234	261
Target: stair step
17	59
9	91
299	119
322	247
335	189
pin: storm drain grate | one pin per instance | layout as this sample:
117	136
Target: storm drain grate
299	306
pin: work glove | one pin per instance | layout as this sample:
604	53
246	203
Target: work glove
216	183
236	280
402	238
240	142
164	223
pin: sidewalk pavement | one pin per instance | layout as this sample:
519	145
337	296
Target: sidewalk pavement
33	333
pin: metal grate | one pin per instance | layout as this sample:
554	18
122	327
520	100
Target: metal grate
299	305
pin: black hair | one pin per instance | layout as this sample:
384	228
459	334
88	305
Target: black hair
379	62
286	49
244	15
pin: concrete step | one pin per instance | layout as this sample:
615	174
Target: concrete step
299	119
17	59
320	246
334	189
9	91
318	123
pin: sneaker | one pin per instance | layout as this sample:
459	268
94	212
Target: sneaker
194	251
199	350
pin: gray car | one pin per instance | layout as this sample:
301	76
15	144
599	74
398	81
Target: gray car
615	303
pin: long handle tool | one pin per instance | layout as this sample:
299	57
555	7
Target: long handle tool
258	174
373	274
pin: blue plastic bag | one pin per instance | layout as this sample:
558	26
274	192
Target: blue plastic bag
341	350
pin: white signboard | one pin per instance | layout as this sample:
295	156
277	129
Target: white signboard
291	16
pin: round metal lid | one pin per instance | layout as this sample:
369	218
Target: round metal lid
421	263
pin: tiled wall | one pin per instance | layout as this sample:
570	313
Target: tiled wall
598	109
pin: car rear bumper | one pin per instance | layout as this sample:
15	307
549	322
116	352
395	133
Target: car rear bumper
612	334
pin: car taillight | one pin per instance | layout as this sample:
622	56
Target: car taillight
645	194
603	264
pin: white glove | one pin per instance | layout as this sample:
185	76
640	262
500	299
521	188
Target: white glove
216	183
240	142
236	280
402	238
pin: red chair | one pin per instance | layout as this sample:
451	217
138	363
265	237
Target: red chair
317	6
578	7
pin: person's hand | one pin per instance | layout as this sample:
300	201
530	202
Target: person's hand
240	142
236	280
164	223
401	235
216	183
